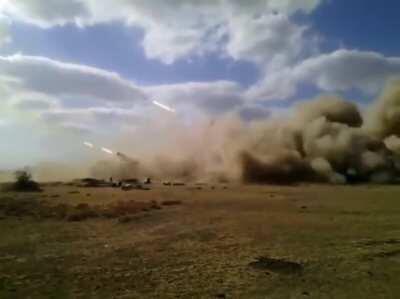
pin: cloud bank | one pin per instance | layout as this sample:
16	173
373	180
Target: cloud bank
337	71
182	28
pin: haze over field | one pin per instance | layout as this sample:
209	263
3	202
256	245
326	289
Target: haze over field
252	91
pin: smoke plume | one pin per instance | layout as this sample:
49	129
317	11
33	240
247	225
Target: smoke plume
328	139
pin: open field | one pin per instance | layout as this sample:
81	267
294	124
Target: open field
183	242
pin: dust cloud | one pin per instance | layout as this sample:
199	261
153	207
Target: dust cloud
327	139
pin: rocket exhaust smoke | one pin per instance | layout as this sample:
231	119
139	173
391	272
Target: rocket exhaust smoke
327	139
165	107
88	144
107	151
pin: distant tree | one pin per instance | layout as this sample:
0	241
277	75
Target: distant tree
24	182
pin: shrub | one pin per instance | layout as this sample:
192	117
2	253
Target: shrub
24	183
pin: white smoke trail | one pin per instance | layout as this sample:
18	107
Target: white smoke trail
88	144
107	151
165	107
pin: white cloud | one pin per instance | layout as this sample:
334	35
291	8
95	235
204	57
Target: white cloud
40	89
40	79
337	71
32	104
58	83
5	37
104	120
58	79
175	29
270	40
44	13
44	90
211	97
345	69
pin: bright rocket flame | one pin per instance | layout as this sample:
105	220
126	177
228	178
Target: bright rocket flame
165	107
107	151
88	144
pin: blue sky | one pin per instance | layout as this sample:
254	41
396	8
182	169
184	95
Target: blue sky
360	24
116	47
81	69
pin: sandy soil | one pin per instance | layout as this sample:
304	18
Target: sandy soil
238	242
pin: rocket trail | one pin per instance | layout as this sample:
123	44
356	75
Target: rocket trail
165	107
88	144
107	151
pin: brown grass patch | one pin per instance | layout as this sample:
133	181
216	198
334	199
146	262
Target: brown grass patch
171	202
128	207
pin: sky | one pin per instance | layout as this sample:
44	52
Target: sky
76	70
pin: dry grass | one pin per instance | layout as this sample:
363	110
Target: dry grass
243	242
43	209
171	202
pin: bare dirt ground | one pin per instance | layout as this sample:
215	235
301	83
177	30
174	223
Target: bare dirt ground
185	242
